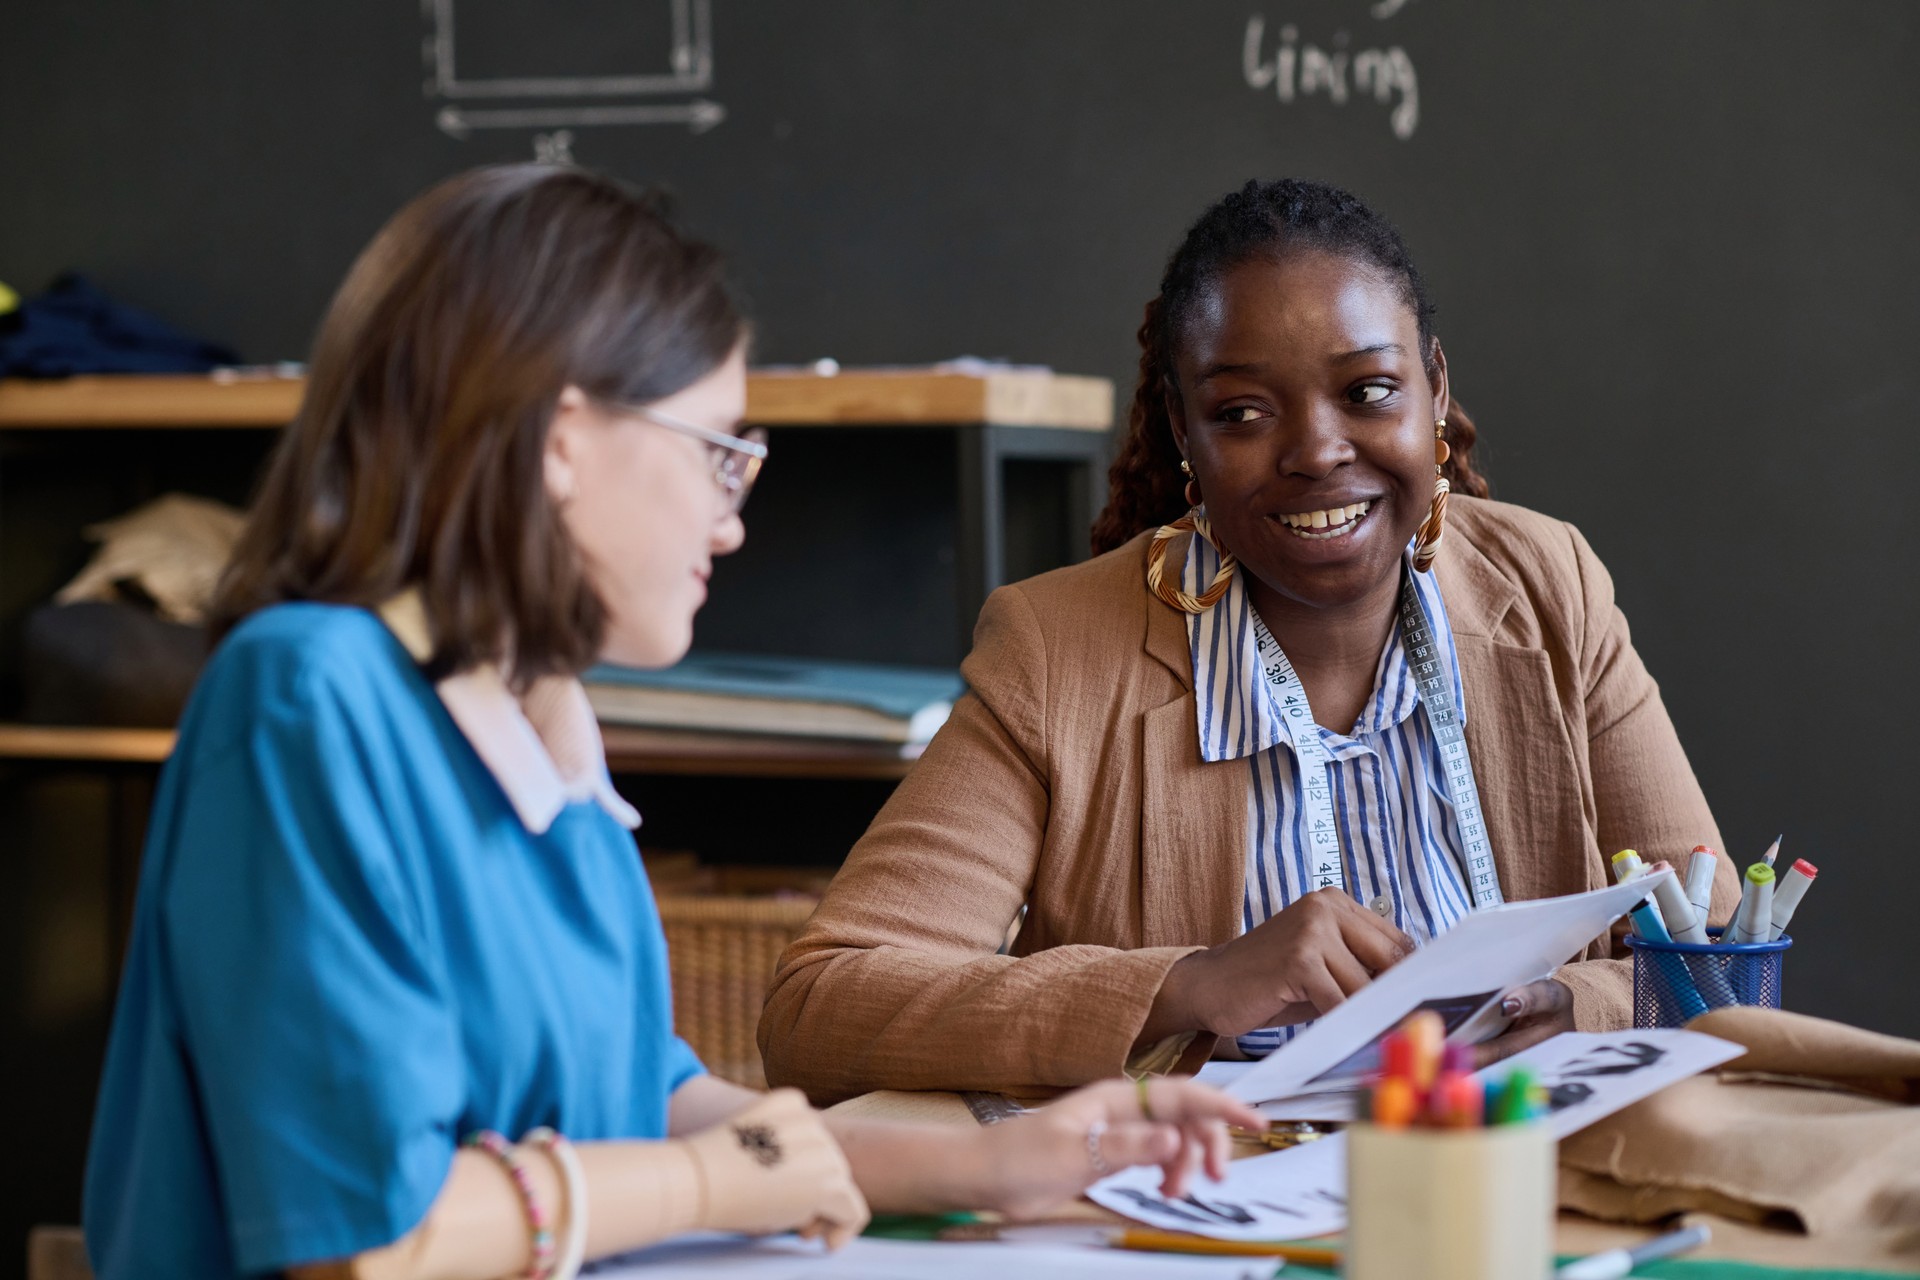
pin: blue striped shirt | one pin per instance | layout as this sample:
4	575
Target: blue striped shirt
1398	834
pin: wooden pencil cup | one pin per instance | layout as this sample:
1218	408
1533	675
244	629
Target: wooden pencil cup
1450	1204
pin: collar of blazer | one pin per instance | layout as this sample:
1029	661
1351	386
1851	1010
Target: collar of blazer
1194	816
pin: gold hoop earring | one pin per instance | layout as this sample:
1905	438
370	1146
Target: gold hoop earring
1426	543
1196	523
1192	491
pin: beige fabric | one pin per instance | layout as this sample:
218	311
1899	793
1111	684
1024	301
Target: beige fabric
174	549
1069	779
1816	1127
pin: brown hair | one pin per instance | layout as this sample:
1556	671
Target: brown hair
1146	489
416	458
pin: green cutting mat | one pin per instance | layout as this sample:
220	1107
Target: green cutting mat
927	1227
1693	1269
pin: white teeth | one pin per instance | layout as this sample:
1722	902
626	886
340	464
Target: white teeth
1335	521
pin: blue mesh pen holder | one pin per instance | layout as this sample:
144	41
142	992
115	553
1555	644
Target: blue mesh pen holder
1675	982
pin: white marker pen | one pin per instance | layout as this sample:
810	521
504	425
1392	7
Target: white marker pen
1675	911
1753	921
1700	869
1793	887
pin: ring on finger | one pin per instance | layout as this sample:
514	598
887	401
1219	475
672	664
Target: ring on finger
1140	1082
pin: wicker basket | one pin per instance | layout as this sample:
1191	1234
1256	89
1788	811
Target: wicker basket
722	951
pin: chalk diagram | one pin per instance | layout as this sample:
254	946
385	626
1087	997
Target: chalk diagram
564	102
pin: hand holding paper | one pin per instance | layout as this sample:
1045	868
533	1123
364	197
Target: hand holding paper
1290	968
1462	974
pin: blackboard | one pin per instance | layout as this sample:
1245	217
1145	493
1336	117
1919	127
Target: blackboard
1672	243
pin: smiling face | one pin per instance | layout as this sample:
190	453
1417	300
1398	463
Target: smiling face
1304	408
644	510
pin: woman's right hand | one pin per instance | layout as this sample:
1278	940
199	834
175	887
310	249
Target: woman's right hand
774	1167
1291	967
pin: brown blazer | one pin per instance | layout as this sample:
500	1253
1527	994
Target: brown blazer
1069	780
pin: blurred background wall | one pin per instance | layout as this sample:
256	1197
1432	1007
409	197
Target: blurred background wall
1673	248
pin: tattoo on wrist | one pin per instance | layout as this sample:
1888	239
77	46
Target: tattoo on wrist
758	1141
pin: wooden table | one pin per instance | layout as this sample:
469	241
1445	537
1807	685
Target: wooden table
1574	1234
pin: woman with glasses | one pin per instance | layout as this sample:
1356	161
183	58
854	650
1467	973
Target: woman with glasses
393	940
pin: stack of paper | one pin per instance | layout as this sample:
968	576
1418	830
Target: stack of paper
800	697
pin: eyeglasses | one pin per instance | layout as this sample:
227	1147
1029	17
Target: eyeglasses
736	459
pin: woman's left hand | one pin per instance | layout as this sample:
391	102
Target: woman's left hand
1540	1010
1040	1160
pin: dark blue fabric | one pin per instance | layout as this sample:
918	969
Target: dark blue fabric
75	328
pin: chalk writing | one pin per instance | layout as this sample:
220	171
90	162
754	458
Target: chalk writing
592	100
1293	70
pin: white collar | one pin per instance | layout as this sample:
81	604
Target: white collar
544	748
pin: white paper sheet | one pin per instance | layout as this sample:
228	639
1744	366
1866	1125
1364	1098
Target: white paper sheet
1461	974
791	1258
1302	1191
1337	1107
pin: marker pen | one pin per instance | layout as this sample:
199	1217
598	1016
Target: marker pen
1793	887
1675	911
1427	1035
1394	1103
1617	1263
1709	974
1753	920
1700	869
1676	975
1628	866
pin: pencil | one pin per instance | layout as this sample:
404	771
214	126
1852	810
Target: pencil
1142	1240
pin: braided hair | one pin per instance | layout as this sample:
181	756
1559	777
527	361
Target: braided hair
1146	488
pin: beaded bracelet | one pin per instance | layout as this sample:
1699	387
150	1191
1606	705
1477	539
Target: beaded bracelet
573	1248
498	1147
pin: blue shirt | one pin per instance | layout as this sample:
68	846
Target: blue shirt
1399	838
347	954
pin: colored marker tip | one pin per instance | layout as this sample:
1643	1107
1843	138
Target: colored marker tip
1759	873
1805	868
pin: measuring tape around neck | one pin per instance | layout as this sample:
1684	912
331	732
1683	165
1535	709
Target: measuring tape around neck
1434	683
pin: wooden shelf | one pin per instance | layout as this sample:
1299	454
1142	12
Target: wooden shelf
860	397
139	400
104	746
904	397
629	750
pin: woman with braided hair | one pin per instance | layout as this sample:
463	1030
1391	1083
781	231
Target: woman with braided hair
1272	737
